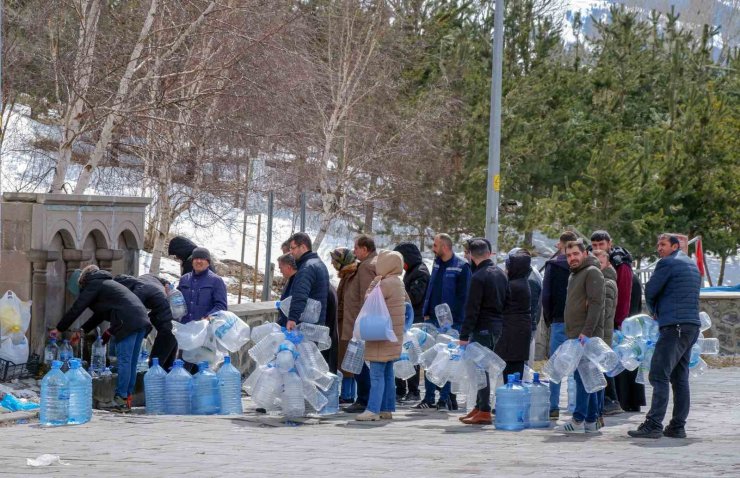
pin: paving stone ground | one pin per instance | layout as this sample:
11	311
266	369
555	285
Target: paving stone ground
414	444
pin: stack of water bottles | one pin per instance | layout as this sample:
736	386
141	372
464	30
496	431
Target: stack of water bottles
521	405
211	340
592	357
291	370
66	398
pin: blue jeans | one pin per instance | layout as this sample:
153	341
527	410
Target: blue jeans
349	388
127	352
557	337
587	404
382	388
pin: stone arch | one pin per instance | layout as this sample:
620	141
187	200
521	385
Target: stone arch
66	232
93	241
100	233
56	278
134	237
129	263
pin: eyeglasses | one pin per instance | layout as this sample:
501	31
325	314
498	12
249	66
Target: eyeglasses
292	248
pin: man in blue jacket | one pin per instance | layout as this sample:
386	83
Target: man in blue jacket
203	290
311	280
672	297
448	285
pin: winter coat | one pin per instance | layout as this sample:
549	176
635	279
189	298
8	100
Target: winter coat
621	260
354	293
344	331
151	293
455	283
513	345
610	302
585	301
182	247
489	292
282	318
110	301
636	296
535	291
389	267
416	279
555	289
311	281
331	354
204	293
672	293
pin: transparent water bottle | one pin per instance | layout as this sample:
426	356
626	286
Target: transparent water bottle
706	321
617	338
313	396
253	378
647	356
424	340
291	398
539	409
510	401
154	389
65	353
230	384
592	378
354	358
51	352
411	347
629	353
709	346
403	368
264	350
178	388
268	389
564	361
143	364
54	397
444	316
263	330
311	354
80	393
206	391
98	356
699	368
650	329
177	304
314	333
572	393
285	360
332	396
429	356
598	352
632	327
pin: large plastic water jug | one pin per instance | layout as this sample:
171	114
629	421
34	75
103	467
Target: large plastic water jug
423	339
699	368
177	304
98	356
411	347
332	396
598	352
572	393
706	321
403	368
54	397
592	378
291	398
709	346
444	316
80	393
311	314
564	360
65	353
354	357
206	391
268	389
428	328
264	350
427	358
695	355
178	390
617	338
230	385
510	401
527	398
650	328
309	352
632	327
630	353
539	408
154	389
51	352
262	331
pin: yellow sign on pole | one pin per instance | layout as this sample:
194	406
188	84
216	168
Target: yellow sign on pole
497	183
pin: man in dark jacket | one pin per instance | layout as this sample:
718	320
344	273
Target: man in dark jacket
109	300
672	297
554	291
203	290
311	280
182	248
288	269
415	280
513	346
484	315
151	292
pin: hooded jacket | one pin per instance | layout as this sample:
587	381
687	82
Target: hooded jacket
489	292
204	293
151	293
416	279
672	293
513	345
455	282
555	289
621	260
535	290
610	302
108	300
311	281
585	301
389	267
182	247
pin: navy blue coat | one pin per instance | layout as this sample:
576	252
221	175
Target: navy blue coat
672	293
455	284
204	293
311	281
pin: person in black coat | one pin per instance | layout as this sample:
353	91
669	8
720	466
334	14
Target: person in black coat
513	346
416	281
182	248
109	300
331	355
152	293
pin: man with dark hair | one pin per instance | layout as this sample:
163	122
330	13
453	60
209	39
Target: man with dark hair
311	280
584	306
489	291
285	246
288	269
630	393
672	297
554	291
204	291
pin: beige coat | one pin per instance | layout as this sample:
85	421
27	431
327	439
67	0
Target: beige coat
354	294
389	268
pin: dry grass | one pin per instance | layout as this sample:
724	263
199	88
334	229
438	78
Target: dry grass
721	361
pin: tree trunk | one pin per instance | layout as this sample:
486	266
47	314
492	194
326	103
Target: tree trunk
723	262
528	239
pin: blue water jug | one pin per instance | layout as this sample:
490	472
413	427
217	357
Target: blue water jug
527	397
54	397
571	394
230	384
154	389
510	406
178	387
539	408
206	393
80	393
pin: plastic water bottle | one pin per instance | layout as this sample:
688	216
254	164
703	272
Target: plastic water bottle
206	391
310	353
650	329
630	353
230	385
314	333
617	338
143	364
311	314
699	368
709	346
263	330
313	396
444	316
539	409
264	350
647	356
424	340
598	352
527	400
154	389
572	393
177	304
332	397
268	389
564	361
98	355
510	399
354	358
54	397
65	353
51	352
695	355
291	398
632	327
411	347
403	368
592	378
80	393
706	321
178	387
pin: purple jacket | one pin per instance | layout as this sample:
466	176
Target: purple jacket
204	293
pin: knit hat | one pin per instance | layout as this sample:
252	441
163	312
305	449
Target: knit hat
201	253
341	257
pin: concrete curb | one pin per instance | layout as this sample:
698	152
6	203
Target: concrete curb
12	417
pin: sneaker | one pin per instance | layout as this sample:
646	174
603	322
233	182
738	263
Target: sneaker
594	427
573	427
367	416
646	430
470	414
674	432
355	408
554	414
612	409
423	405
118	404
600	421
412	397
386	415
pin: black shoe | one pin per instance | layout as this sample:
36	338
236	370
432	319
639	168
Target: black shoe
676	432
452	403
646	431
356	407
412	397
260	410
612	409
554	414
423	405
443	406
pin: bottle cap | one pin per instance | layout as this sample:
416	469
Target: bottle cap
178	363
227	359
56	364
155	361
536	377
74	363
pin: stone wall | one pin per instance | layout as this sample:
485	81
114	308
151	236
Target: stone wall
724	310
253	314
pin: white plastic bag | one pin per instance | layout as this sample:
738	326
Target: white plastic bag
16	353
10	314
230	331
374	321
192	335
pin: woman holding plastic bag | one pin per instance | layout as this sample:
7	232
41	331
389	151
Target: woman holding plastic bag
380	324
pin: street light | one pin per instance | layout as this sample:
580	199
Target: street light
493	185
